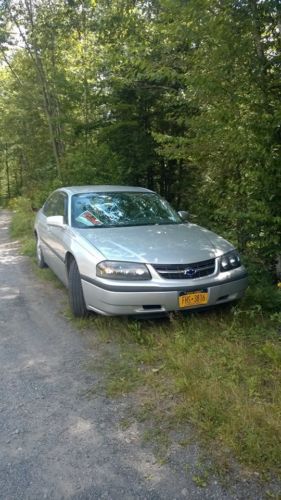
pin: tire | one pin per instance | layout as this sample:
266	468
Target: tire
75	292
39	255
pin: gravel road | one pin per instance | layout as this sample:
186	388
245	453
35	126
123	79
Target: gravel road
55	441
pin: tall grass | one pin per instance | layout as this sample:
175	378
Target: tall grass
22	224
218	371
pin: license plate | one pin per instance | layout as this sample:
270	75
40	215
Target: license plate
191	299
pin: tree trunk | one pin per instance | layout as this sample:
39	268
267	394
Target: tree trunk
253	4
7	171
50	104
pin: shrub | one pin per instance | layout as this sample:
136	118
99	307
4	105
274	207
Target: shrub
23	219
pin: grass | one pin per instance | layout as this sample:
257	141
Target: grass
22	220
22	225
218	373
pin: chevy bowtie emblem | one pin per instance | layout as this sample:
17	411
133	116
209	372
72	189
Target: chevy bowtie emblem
189	272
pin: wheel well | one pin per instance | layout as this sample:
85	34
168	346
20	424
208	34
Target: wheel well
68	259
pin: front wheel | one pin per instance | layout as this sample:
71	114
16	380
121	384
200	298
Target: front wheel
75	292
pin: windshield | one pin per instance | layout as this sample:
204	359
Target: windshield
121	209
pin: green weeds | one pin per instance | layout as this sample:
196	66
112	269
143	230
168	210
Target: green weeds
218	372
23	218
47	275
22	224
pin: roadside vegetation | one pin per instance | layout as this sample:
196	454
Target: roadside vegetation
216	372
183	98
22	224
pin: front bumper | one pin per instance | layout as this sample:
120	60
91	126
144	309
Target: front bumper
146	298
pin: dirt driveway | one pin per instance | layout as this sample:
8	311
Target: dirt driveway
55	441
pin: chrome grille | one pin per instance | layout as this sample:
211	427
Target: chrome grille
185	271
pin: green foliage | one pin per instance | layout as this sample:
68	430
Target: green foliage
218	371
28	247
263	295
38	196
181	97
23	219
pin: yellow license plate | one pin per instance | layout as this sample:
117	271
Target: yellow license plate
191	299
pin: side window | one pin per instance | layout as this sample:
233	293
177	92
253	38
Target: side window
56	204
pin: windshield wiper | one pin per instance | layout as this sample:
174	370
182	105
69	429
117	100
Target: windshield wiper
135	224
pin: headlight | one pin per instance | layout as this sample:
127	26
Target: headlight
123	271
230	260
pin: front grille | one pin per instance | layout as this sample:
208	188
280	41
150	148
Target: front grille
185	271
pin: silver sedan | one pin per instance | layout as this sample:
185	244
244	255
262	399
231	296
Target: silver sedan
125	250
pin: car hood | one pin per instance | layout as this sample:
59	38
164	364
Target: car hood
167	244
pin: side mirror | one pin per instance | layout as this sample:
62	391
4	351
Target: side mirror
184	215
56	221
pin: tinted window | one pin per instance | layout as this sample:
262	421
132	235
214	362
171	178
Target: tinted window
121	209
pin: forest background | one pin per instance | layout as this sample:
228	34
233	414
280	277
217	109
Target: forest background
180	96
183	97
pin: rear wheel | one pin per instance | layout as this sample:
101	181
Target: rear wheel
39	255
75	292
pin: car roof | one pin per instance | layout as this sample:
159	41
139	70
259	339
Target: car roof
102	189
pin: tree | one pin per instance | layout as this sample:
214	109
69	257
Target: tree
182	97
